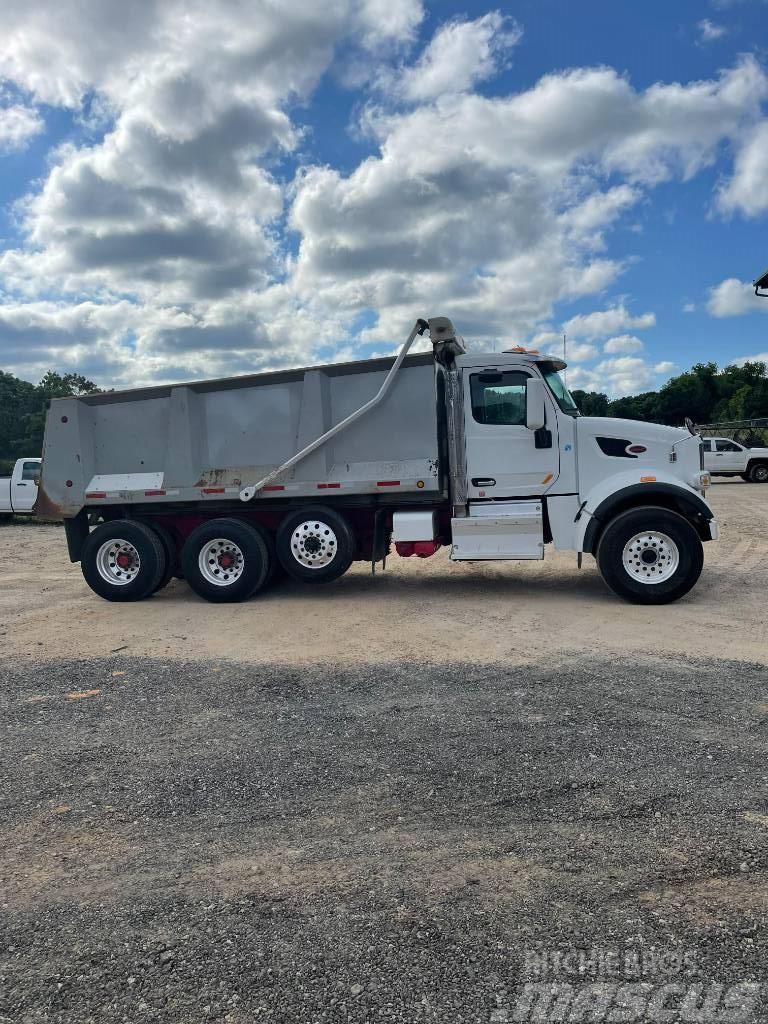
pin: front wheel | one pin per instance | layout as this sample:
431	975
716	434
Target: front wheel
650	555
758	473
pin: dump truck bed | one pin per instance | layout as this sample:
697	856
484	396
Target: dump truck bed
207	440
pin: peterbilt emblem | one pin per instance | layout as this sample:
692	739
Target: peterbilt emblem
636	449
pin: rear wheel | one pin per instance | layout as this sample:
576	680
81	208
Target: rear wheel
225	560
171	555
315	545
123	560
650	555
758	473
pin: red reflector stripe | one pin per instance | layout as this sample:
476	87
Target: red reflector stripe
274	487
153	494
213	490
96	494
387	483
321	487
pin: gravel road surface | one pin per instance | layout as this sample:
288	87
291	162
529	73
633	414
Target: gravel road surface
192	841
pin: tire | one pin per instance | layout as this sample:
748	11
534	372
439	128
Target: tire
671	566
744	476
225	560
315	544
123	560
275	570
171	555
758	473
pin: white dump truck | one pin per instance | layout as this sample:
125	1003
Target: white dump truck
18	492
486	454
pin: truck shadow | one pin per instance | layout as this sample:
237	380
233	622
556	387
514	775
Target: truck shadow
586	584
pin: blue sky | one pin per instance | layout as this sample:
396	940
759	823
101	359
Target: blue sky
275	185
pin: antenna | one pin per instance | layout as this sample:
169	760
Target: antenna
565	372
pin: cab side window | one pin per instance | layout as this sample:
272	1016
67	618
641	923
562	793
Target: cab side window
727	446
707	446
498	399
30	471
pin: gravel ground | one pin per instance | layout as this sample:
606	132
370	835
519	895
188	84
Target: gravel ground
218	841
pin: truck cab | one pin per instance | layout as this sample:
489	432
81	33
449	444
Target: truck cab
18	493
536	472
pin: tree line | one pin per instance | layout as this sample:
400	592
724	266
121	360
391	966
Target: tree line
22	411
704	393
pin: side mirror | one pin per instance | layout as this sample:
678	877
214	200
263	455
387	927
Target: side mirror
535	408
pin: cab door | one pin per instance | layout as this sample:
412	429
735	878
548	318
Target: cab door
25	487
729	457
504	458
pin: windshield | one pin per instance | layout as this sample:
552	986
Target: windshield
558	389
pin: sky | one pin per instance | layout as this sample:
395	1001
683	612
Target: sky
200	188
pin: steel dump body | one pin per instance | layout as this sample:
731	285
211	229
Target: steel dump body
206	441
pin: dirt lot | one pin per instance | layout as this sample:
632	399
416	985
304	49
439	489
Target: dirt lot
447	794
418	609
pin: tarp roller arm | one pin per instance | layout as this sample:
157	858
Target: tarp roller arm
248	492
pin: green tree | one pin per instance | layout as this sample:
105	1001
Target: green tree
693	394
23	407
591	403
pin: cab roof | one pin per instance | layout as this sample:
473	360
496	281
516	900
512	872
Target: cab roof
510	356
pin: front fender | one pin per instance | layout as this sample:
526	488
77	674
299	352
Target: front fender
624	491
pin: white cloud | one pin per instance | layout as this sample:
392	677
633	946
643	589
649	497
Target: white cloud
18	124
625	375
733	298
689	307
461	54
623	343
709	31
746	191
759	357
386	21
588	220
607	322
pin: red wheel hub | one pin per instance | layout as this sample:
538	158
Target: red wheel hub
124	560
226	561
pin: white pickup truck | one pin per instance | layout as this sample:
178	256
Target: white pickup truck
724	457
18	492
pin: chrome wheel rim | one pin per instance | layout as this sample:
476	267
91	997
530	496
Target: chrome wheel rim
118	562
651	557
221	562
760	474
314	544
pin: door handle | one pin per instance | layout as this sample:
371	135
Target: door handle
483	481
20	484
